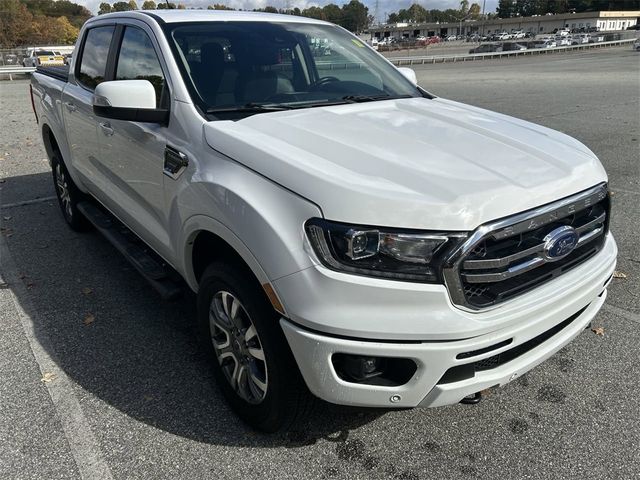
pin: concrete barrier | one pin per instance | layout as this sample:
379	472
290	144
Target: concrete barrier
462	57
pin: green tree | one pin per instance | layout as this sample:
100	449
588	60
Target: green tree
66	33
313	12
133	5
355	16
121	7
506	8
332	13
464	7
219	6
149	5
104	8
475	11
417	13
166	6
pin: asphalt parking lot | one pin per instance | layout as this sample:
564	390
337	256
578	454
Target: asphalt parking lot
100	379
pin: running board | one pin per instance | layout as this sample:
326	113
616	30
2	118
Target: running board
143	259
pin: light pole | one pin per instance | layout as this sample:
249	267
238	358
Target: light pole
484	19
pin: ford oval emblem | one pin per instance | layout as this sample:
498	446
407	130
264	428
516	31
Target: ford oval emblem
559	243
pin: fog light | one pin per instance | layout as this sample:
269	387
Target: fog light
361	368
368	370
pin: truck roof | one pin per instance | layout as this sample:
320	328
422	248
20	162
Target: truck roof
179	16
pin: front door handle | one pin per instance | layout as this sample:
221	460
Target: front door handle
106	128
175	162
70	106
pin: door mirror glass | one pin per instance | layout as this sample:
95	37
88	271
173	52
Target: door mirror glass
132	100
410	74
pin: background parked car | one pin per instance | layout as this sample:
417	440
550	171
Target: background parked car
10	59
487	48
580	38
43	57
513	46
544	44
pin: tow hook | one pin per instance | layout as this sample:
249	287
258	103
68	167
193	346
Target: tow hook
472	399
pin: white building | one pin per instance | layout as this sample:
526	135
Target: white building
603	21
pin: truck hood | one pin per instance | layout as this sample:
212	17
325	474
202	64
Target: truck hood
412	163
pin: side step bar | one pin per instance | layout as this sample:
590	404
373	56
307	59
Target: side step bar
145	261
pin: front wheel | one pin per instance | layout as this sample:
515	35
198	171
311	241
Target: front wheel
251	360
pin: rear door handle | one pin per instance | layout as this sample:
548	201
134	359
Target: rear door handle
70	106
106	128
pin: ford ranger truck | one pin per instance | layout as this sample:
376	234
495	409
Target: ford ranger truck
348	234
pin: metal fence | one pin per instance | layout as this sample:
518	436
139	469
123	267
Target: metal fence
462	57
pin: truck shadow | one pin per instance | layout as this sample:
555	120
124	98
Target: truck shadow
113	336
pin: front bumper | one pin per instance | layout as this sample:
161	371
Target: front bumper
582	289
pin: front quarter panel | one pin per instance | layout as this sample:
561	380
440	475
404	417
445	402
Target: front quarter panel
261	220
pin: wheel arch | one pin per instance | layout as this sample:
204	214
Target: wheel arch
50	142
207	240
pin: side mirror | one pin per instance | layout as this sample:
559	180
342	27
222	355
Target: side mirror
132	100
409	74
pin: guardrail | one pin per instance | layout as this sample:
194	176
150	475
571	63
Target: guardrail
15	70
462	57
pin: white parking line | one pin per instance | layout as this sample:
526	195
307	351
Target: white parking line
83	445
28	202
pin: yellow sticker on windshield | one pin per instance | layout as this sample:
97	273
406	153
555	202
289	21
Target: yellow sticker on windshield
357	43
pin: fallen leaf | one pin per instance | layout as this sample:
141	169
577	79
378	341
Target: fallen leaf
87	291
30	285
8	217
598	331
4	285
2	181
89	319
618	274
48	377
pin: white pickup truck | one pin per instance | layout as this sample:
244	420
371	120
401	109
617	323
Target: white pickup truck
347	233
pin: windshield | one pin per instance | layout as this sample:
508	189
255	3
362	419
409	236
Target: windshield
43	53
252	67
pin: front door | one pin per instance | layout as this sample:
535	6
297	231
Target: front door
134	151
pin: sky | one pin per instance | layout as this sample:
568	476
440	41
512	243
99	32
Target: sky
384	6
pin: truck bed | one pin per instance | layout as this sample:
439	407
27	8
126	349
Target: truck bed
60	73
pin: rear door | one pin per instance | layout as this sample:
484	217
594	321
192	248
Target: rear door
133	152
77	99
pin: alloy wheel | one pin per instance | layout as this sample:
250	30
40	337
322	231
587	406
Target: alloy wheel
238	347
63	191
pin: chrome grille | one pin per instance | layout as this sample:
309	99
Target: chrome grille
509	257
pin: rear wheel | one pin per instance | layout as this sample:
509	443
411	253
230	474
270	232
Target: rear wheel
251	360
68	195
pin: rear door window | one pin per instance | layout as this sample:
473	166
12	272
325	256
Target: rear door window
93	64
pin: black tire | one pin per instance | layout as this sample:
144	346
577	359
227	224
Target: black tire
287	399
68	195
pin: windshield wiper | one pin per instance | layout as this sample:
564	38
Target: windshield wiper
371	98
250	108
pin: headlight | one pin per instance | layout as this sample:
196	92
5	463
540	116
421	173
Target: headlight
410	255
